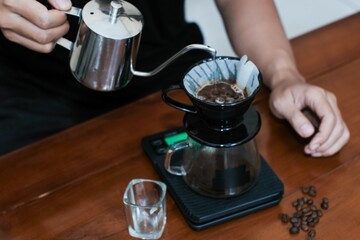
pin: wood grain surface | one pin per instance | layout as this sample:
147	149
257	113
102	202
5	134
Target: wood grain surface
70	185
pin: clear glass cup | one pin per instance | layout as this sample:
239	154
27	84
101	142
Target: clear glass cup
145	208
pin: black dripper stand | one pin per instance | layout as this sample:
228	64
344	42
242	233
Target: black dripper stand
215	126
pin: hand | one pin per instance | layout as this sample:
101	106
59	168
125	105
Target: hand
287	101
32	25
265	42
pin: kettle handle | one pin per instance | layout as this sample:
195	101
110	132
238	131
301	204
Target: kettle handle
66	43
175	170
190	47
176	104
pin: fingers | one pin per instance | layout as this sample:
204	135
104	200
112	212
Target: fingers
333	133
299	121
334	148
283	105
44	47
35	13
61	4
316	99
31	24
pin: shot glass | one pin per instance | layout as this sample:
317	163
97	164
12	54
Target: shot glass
145	208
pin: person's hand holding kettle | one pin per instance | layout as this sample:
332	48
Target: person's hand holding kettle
32	25
103	55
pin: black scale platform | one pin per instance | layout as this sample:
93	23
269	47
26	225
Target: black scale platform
200	211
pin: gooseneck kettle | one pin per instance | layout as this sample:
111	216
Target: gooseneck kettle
103	56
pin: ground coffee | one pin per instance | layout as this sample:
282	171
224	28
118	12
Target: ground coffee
221	92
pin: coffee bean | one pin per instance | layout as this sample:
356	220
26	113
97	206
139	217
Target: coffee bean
294	230
284	218
295	203
324	205
319	213
306	209
298	214
298	208
304	227
312	233
305	189
294	220
312	191
307	214
311	224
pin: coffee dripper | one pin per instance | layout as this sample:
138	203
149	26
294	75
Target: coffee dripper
103	56
220	157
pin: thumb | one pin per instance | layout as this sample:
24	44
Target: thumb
61	4
298	119
301	124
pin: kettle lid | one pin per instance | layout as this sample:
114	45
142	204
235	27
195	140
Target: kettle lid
113	19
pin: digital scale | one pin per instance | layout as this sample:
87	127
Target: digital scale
200	211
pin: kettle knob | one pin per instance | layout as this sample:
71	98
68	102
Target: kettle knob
115	9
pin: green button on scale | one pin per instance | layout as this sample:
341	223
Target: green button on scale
179	137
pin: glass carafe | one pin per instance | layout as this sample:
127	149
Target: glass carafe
216	171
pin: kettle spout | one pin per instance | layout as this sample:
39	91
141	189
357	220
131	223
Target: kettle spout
186	49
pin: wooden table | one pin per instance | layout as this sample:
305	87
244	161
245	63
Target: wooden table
70	186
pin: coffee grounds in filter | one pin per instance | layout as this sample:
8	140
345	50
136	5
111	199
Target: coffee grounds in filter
221	92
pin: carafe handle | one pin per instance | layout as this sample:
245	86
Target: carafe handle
175	170
176	104
66	43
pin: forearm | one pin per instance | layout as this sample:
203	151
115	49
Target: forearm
254	29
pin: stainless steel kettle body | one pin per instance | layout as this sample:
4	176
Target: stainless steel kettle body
101	63
103	55
106	44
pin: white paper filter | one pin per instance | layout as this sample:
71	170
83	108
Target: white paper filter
243	71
